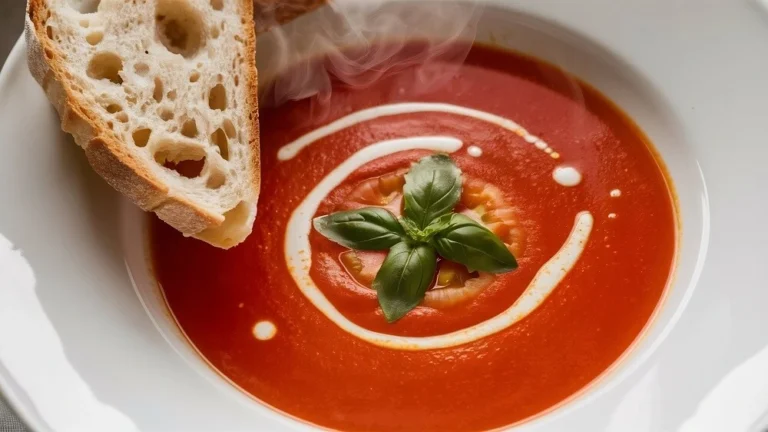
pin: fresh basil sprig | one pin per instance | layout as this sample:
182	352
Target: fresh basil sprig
432	189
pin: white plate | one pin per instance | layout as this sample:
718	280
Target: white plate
78	350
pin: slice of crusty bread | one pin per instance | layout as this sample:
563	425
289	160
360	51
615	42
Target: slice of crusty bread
161	95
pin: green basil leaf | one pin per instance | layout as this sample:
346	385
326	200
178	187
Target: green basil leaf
405	276
467	242
370	228
432	188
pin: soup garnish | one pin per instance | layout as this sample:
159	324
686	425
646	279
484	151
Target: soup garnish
429	229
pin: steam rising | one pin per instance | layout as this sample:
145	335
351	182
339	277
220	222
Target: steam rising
359	42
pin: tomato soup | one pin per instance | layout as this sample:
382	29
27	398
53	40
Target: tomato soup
557	172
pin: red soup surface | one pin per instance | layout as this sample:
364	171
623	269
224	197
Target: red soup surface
301	362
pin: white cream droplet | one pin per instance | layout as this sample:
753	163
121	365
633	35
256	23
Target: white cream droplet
615	193
612	216
264	330
474	151
566	176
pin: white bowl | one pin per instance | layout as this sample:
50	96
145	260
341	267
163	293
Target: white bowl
79	350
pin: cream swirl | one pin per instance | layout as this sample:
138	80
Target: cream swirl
298	253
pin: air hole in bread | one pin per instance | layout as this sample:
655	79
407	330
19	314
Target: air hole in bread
237	80
141	69
187	160
188	168
216	179
85	6
172	95
141	137
159	92
217	99
229	128
85	23
189	128
106	65
179	27
49	32
194	76
219	139
215	32
217	4
165	114
122	117
95	38
114	108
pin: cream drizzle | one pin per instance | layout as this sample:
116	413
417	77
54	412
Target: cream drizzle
289	151
299	257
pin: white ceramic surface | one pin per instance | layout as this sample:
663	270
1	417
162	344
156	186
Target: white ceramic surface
79	350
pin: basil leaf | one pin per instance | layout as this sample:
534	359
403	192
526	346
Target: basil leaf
432	188
467	242
405	276
370	228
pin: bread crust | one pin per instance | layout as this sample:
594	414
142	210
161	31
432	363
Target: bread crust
105	151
